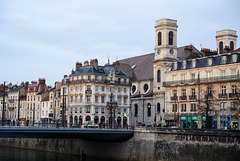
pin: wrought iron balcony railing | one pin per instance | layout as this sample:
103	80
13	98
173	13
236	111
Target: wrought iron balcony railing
222	95
183	97
233	95
192	97
174	98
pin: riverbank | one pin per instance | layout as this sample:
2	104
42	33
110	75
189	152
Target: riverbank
147	144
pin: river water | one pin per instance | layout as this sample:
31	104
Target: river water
18	154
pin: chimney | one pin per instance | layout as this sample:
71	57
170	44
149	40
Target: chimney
41	82
94	62
86	63
26	87
78	65
207	52
226	49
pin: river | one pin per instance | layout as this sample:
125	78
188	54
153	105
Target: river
18	154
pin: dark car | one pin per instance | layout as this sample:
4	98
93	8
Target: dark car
76	126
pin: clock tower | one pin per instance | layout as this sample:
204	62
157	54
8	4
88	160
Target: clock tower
165	54
166	39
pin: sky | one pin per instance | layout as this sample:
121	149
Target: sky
44	39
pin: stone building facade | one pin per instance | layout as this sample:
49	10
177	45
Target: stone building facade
90	89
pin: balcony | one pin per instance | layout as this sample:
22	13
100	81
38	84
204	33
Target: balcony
233	95
208	96
11	100
88	92
218	79
183	97
192	97
222	95
11	108
174	98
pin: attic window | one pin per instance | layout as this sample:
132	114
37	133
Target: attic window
193	63
234	58
184	64
133	66
224	59
175	66
209	61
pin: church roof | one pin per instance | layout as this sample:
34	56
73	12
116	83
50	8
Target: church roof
141	65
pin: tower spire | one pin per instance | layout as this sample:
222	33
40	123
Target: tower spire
108	60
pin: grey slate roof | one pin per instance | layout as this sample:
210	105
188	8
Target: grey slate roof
102	70
203	61
143	66
180	51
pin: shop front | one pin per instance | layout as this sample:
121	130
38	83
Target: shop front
189	121
214	122
234	122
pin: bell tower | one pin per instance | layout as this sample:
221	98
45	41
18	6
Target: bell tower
226	39
166	39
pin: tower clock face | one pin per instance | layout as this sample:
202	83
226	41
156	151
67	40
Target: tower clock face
171	51
159	51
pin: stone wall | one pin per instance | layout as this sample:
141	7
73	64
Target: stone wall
147	144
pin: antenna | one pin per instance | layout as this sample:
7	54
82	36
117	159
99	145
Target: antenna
108	59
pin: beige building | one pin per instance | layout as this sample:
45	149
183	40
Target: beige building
90	89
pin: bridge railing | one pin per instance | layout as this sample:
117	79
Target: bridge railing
22	124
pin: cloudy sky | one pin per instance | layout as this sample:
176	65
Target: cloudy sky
45	38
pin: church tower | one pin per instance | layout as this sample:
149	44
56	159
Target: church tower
166	39
165	54
226	39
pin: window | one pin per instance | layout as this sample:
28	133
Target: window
193	92
136	110
149	109
88	98
183	78
193	77
223	106
125	80
158	108
193	63
209	91
234	89
89	78
145	88
233	106
103	88
223	90
119	100
170	38
96	109
88	87
183	107
209	61
134	89
96	98
159	38
125	100
102	99
125	90
158	76
175	92
221	47
231	46
119	90
102	109
88	109
183	92
193	107
234	58
174	108
208	74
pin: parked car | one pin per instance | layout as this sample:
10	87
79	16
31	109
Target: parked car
76	126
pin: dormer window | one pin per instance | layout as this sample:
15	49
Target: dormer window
209	61
175	66
224	59
193	63
184	64
234	58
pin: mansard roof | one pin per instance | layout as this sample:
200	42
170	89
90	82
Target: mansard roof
102	70
203	61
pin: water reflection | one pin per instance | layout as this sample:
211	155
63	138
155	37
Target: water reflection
17	154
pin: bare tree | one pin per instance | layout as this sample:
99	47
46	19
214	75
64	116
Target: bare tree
207	104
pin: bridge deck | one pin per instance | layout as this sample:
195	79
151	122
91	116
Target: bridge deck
68	133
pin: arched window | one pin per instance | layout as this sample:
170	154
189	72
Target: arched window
149	109
145	88
159	38
221	47
170	38
231	46
158	76
158	108
136	110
